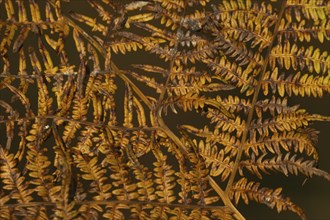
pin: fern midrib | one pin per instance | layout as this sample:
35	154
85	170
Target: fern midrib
254	102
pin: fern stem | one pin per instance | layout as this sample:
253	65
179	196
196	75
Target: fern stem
225	198
254	101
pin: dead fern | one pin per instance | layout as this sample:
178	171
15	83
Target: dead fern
85	136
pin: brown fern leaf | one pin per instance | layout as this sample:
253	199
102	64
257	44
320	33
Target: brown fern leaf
245	190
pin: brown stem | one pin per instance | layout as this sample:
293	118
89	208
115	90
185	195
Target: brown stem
225	199
254	101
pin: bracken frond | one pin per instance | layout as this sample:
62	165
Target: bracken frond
154	109
249	190
285	164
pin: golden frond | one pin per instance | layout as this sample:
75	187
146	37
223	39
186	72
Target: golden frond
285	164
87	99
13	180
290	56
316	11
299	141
296	84
251	191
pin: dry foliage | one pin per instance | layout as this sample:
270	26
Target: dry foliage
93	142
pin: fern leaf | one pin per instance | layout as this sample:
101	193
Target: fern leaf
300	141
229	141
303	32
164	179
298	84
39	162
285	122
290	56
233	73
285	164
104	14
20	39
315	11
93	172
215	158
243	189
7	39
89	21
13	179
128	107
149	81
124	189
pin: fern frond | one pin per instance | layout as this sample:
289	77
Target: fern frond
79	113
145	185
215	158
140	143
149	81
12	179
128	107
290	56
199	175
226	124
242	21
124	46
21	96
103	13
247	191
317	11
177	5
198	53
233	73
285	122
188	102
124	189
65	212
93	172
140	18
38	163
235	104
303	32
239	52
115	211
164	179
91	22
168	18
230	142
299	141
116	154
7	39
298	84
283	163
85	140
